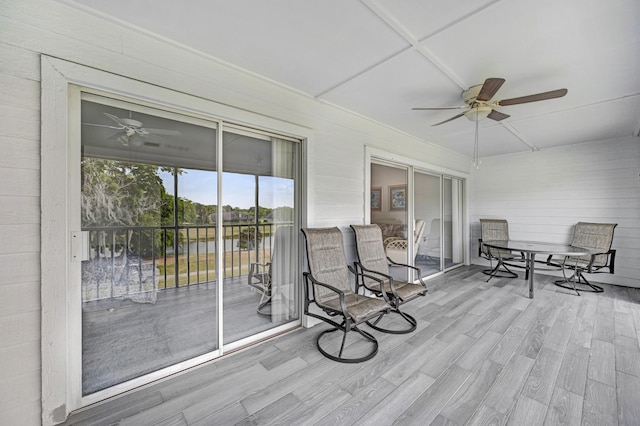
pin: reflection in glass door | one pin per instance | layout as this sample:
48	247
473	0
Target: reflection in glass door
389	204
175	273
452	223
428	214
148	282
259	199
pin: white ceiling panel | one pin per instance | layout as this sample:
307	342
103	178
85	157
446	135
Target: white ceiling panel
380	58
308	45
606	120
388	92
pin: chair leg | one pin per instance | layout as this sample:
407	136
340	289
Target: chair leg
495	272
594	288
411	320
577	278
264	301
339	357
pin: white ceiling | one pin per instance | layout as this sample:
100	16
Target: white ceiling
380	58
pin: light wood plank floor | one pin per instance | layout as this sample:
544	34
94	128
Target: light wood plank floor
483	353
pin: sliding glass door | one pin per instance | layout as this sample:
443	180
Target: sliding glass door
259	280
181	260
146	176
452	230
427	231
428	214
389	202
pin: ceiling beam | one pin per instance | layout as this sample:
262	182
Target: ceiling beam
519	135
394	24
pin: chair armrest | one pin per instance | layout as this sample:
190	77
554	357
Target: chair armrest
611	254
340	293
612	260
589	268
253	266
356	270
404	265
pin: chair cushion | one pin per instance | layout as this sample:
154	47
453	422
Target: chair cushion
574	261
500	253
405	291
359	307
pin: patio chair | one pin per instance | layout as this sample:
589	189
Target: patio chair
396	248
597	238
261	274
372	261
328	286
498	230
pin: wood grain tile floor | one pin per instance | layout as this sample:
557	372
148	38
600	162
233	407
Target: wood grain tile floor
483	354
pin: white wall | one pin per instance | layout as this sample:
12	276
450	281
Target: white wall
544	194
336	169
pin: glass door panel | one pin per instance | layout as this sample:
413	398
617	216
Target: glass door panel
452	223
427	213
260	228
389	204
148	290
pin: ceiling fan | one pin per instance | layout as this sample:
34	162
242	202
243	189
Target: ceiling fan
479	104
133	132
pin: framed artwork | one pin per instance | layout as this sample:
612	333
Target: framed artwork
376	199
398	197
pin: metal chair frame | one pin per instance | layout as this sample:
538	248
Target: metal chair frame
395	300
590	267
348	322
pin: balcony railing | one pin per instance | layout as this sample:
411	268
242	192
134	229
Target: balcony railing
135	262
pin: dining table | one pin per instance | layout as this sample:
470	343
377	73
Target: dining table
530	249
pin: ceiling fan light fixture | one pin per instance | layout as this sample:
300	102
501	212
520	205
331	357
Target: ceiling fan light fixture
478	113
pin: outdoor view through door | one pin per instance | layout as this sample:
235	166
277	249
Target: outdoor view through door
177	235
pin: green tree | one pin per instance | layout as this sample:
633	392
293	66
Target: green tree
125	194
249	238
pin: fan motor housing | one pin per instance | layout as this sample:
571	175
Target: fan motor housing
469	96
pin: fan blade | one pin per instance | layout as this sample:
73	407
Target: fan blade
497	115
450	119
102	125
116	119
163	132
489	88
533	98
439	108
